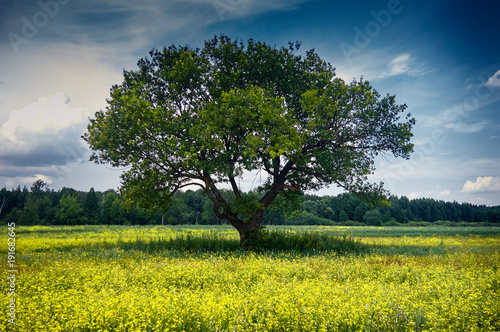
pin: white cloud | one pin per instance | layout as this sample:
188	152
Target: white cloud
467	128
400	64
404	64
42	141
445	192
44	121
415	194
437	193
454	118
237	8
46	114
482	184
494	81
27	181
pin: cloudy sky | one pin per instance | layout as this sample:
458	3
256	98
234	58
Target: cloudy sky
59	59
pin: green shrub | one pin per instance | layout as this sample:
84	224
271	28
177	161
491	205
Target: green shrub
419	223
391	223
373	218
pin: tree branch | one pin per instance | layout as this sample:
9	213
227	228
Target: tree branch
3	203
278	185
290	187
215	196
236	190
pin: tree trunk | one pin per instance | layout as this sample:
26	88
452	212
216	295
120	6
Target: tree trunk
250	232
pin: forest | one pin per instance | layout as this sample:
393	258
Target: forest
40	205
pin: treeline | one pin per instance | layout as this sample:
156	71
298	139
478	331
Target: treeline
41	206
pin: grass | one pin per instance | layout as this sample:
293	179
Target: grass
196	278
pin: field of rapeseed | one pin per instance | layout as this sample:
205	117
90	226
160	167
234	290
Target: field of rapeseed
104	278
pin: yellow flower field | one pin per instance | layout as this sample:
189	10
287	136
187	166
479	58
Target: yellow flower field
105	278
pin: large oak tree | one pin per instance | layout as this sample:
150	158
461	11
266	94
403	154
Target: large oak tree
205	116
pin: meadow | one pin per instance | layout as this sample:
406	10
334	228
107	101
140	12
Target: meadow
196	278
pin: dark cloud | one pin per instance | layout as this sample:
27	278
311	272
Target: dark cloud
46	155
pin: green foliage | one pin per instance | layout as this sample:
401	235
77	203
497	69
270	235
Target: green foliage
308	218
343	216
373	218
71	212
290	202
29	214
113	211
46	212
91	207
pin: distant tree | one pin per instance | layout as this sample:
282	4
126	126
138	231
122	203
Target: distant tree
175	216
208	215
373	218
398	209
46	212
329	213
91	207
22	196
359	212
194	201
493	215
275	217
205	116
113	211
343	216
348	203
138	216
70	212
386	215
310	206
10	200
29	214
37	189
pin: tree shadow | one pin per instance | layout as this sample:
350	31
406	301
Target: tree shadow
272	242
211	242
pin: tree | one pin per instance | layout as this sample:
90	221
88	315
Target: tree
37	189
29	214
343	216
46	212
373	218
91	207
359	212
71	211
113	212
205	116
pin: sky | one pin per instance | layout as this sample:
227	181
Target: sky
59	58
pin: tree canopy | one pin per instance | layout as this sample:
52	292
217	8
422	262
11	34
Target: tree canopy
190	116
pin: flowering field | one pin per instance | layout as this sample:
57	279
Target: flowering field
104	278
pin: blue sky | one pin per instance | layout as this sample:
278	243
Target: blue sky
60	57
